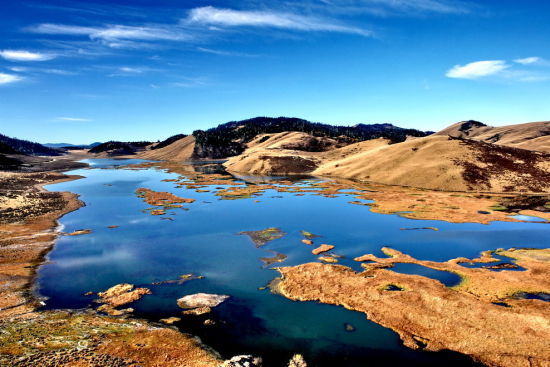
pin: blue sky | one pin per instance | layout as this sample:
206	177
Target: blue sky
144	70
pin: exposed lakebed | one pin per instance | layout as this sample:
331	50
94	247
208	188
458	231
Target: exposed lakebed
204	238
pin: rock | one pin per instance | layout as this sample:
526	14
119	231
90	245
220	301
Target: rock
170	320
116	290
307	242
297	360
122	294
201	300
321	249
79	232
111	311
197	311
243	361
209	322
349	327
328	259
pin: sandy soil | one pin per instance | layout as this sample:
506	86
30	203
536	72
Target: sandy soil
480	317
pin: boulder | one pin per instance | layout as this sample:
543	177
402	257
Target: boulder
243	361
201	300
321	249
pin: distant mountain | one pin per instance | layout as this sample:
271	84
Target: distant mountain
113	148
26	147
72	146
230	139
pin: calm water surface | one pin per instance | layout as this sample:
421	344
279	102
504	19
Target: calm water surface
204	240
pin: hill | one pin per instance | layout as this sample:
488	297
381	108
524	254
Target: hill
180	149
230	139
117	148
71	146
432	162
532	136
20	146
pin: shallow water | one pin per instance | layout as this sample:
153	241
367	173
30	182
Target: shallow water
447	278
204	240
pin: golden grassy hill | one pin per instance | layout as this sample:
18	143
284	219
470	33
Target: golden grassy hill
180	150
433	162
532	136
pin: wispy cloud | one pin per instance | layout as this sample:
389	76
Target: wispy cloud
501	69
72	119
223	52
115	36
528	60
22	55
533	60
133	70
24	69
9	78
387	7
212	16
478	69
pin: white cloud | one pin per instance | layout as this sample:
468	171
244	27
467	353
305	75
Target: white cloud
24	69
478	69
210	15
529	60
116	36
387	7
73	119
223	52
9	78
22	55
127	69
19	69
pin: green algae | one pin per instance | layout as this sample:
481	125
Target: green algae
309	235
264	236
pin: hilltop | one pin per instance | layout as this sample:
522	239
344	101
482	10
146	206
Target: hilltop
19	146
119	148
230	139
532	136
440	162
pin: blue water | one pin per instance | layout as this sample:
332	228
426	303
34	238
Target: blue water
204	240
447	278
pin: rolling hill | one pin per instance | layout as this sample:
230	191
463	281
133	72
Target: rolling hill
19	146
532	136
433	162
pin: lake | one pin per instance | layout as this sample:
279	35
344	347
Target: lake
203	238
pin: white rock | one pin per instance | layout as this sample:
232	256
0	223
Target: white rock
201	300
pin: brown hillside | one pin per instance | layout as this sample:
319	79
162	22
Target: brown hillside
532	136
433	162
180	150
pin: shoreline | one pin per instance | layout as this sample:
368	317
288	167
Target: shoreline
26	239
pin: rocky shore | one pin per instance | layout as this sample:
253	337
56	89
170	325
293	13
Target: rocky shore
30	337
492	316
